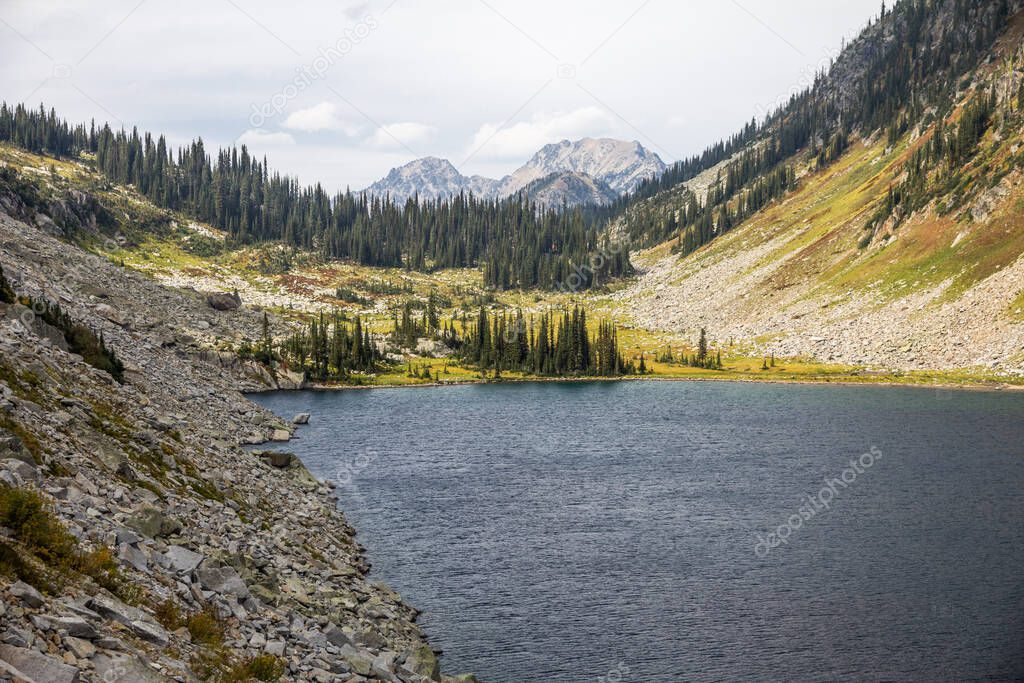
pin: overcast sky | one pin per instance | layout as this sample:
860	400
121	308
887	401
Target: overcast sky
340	92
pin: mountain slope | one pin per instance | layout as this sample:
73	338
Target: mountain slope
568	188
890	256
906	68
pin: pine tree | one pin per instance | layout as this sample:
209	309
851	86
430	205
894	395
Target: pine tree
7	295
266	353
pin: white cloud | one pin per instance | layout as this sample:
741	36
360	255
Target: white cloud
522	139
256	137
319	117
403	133
451	64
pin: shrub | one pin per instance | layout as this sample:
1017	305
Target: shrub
33	524
14	565
101	566
168	614
30	519
260	668
6	292
205	628
350	296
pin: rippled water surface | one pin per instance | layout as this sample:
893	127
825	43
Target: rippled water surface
610	531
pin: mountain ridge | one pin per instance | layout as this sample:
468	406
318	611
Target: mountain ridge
617	165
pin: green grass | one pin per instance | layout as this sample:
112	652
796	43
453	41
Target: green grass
1017	307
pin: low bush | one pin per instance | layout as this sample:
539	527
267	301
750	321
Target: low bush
205	628
260	668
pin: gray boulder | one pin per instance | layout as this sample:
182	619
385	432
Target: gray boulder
223	581
150	632
27	594
36	666
125	668
132	555
278	459
75	626
24	471
181	559
337	637
223	302
153	523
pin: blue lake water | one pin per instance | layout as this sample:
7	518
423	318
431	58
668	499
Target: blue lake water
621	531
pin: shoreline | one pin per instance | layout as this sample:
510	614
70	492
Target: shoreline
885	381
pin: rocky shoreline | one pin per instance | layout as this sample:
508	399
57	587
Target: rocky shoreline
228	566
880	380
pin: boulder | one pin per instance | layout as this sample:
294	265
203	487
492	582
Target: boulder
111	608
75	626
122	668
27	594
423	662
287	379
150	632
18	637
280	435
108	312
223	302
278	459
82	649
153	523
301	419
360	664
12	447
36	325
223	581
24	471
38	667
181	559
371	639
132	555
337	637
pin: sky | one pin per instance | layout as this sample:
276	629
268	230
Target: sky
340	92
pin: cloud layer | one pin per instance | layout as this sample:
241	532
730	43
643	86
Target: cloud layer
341	92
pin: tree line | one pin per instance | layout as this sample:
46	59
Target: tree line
553	343
329	348
518	244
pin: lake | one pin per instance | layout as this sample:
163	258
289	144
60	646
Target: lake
698	531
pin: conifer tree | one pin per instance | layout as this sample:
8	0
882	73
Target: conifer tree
7	295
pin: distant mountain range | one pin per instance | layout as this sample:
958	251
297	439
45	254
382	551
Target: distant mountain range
587	170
